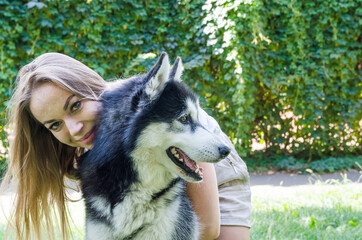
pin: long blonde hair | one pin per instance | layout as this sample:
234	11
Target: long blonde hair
38	162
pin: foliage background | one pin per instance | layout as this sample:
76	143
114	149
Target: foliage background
286	74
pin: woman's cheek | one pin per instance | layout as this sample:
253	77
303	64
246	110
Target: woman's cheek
61	138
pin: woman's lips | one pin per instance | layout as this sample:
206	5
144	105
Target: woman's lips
89	137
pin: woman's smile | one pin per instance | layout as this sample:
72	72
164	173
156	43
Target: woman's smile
89	136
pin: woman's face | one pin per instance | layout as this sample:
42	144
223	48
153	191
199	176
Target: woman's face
71	120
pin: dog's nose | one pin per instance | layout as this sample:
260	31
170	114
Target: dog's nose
224	151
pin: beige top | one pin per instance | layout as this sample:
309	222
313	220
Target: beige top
232	167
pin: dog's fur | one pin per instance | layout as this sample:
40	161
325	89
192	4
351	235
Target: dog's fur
132	182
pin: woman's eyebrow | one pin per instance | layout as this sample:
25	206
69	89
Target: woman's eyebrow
67	102
49	121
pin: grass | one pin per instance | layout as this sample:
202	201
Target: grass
75	208
331	211
319	211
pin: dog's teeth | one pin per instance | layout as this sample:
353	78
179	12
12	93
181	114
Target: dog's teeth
197	170
176	154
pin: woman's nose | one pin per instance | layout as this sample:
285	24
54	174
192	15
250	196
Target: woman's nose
74	126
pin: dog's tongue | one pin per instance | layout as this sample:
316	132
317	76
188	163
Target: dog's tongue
190	163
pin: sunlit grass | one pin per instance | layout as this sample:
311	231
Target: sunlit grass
76	210
318	211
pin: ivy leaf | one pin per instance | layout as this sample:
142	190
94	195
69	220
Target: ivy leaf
37	4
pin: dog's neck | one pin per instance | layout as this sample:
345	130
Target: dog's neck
152	174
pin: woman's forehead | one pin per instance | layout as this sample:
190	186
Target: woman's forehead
48	101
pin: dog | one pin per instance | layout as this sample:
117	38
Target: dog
148	140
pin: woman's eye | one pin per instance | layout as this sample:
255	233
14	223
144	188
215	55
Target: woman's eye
54	126
75	106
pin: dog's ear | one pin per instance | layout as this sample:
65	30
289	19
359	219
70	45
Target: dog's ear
176	70
157	76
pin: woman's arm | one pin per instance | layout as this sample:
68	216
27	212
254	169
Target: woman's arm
205	201
234	232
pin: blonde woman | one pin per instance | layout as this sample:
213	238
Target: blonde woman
43	154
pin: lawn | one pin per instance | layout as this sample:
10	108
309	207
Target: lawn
318	211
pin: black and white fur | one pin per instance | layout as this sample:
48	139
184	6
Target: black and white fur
132	180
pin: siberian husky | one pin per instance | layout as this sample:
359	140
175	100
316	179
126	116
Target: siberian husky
148	142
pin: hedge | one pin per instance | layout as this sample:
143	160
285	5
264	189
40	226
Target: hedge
285	73
292	76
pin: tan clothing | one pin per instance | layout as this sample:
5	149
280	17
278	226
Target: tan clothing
233	182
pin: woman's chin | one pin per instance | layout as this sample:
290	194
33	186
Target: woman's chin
90	146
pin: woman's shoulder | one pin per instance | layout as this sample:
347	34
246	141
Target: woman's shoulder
209	122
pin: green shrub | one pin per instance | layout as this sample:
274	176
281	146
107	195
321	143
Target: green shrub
290	164
332	164
300	87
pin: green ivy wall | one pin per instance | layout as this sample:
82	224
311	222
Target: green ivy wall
285	73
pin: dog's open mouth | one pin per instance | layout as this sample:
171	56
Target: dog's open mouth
188	165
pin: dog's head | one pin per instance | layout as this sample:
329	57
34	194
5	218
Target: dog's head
168	126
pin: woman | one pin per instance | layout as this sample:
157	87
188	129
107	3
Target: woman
51	117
